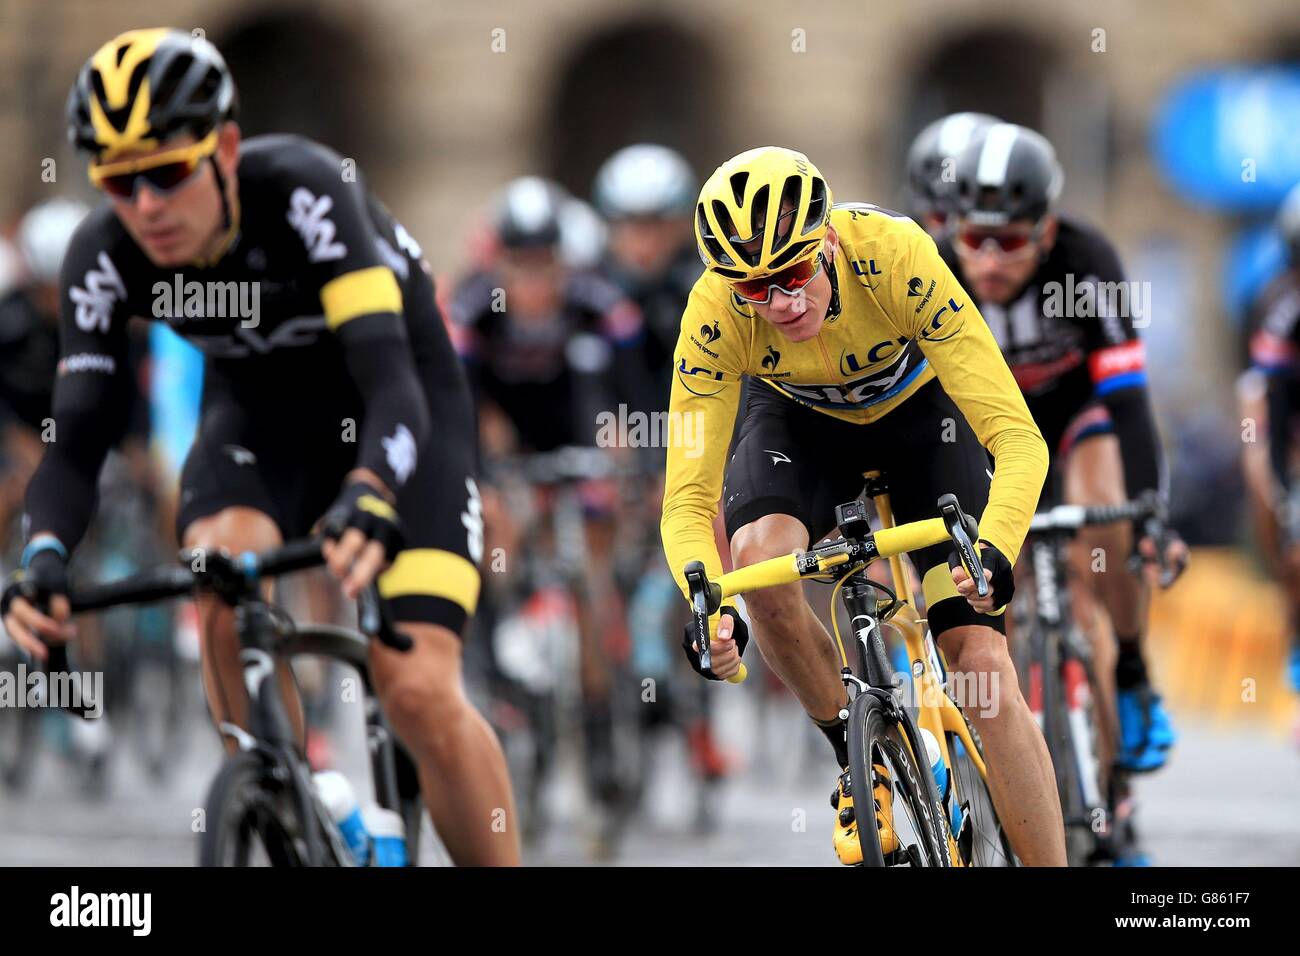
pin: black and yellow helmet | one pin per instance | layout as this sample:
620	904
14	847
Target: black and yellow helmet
144	86
760	212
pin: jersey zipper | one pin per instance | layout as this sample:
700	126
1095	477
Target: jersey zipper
826	358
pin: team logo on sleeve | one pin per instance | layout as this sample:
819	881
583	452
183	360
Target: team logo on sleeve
914	289
97	296
945	323
698	379
86	362
711	333
307	214
399	448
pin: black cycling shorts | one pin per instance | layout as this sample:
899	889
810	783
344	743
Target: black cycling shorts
792	460
290	466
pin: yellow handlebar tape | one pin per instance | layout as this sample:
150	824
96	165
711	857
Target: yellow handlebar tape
911	537
765	574
782	569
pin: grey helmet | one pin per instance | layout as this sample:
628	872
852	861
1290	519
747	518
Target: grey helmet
645	180
1006	173
933	153
528	213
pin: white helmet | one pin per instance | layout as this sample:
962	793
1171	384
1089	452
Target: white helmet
582	234
44	234
645	180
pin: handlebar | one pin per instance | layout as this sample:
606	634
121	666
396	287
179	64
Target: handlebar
233	578
859	546
1147	511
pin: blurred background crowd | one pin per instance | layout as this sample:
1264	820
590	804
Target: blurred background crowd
1176	126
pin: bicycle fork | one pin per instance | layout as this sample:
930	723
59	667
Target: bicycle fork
862	603
269	728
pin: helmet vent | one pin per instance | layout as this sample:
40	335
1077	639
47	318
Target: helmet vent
738	182
791	193
817	211
167	86
711	244
795	251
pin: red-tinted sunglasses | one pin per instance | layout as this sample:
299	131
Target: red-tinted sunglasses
164	172
789	280
1006	242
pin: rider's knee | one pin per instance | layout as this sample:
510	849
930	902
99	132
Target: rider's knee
984	657
776	608
1095	473
770	537
423	697
236	529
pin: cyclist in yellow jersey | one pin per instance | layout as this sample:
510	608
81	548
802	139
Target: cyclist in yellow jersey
870	355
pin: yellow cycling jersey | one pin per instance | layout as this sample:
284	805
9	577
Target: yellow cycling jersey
902	319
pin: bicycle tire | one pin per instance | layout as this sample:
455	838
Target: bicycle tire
1084	845
989	844
874	736
1079	841
245	802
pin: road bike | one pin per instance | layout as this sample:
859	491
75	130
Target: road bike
891	722
262	806
1062	685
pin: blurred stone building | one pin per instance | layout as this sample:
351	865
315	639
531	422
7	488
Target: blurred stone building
440	101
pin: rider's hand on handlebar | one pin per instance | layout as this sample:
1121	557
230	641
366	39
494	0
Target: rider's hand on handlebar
1176	555
997	571
44	580
363	534
726	646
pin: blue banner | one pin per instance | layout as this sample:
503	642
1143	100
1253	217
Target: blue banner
1228	138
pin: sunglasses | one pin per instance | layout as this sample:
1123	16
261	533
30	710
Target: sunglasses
164	172
789	280
1004	243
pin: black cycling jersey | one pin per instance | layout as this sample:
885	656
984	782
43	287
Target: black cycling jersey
302	321
553	377
29	358
29	352
1275	351
662	300
1070	341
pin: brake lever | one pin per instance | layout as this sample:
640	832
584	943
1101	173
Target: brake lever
701	590
56	662
373	619
964	532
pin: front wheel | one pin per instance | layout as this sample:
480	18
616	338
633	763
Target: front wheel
893	795
251	819
982	840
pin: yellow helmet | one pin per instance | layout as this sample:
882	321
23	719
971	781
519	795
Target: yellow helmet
144	86
760	212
